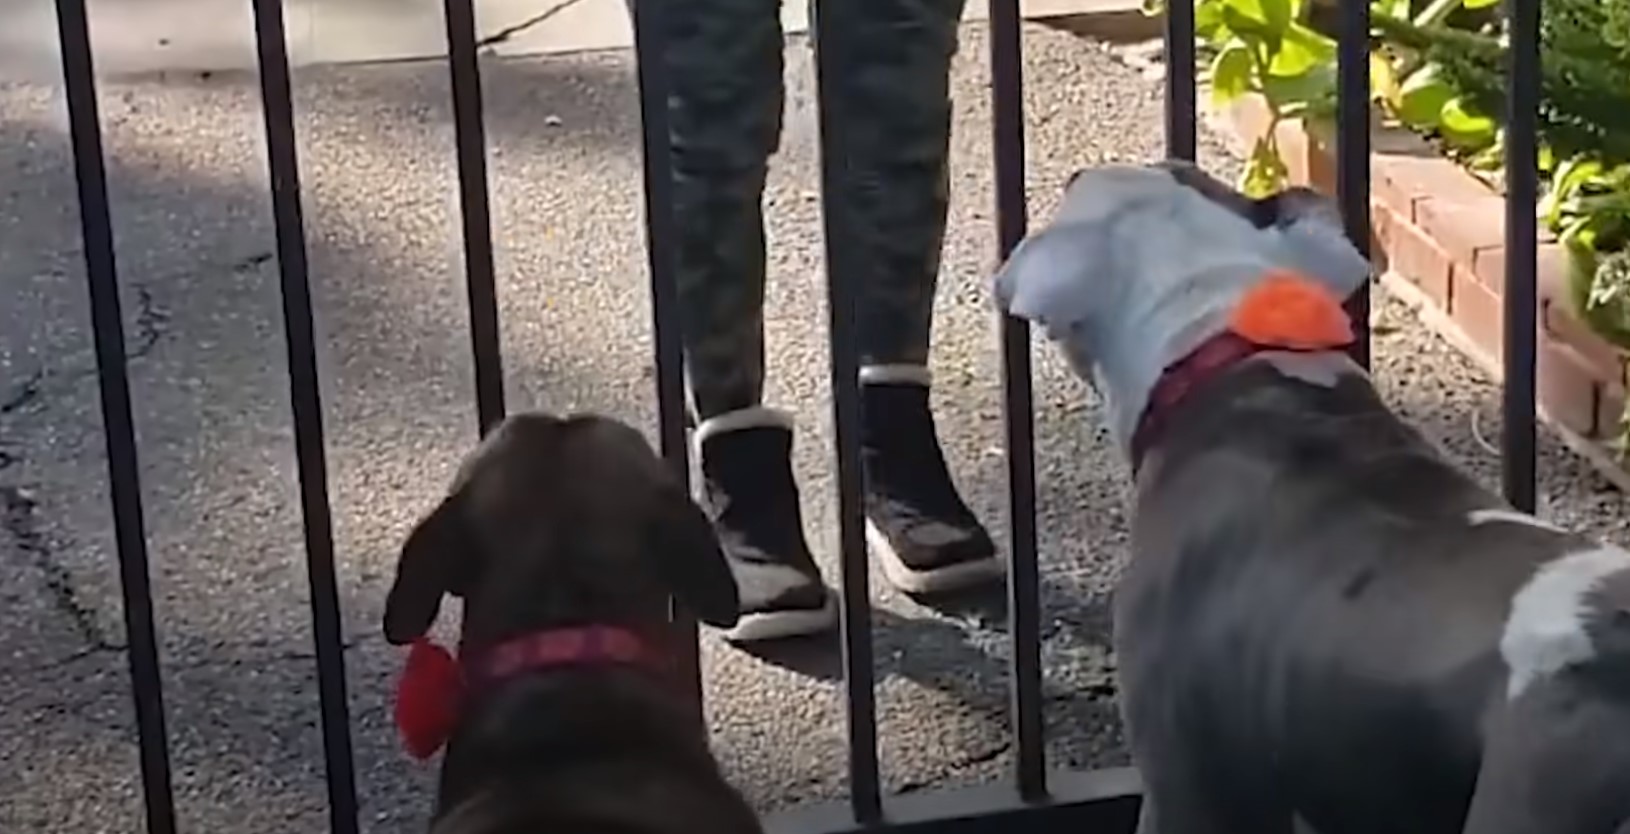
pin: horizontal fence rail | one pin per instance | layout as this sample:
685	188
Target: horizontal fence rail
1035	798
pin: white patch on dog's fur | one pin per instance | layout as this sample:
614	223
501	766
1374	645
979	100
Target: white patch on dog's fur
1322	369
1495	515
1545	632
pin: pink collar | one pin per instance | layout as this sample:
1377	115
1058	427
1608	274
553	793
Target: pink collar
434	685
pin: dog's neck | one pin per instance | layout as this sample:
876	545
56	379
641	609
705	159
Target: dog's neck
1216	357
436	687
551	648
1126	356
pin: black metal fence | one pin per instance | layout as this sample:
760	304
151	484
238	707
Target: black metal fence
1034	800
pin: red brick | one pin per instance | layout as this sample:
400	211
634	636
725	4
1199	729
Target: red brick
1383	235
1478	312
1463	227
1489	265
1249	117
1403	180
1567	386
1298	152
1320	161
1420	260
1607	362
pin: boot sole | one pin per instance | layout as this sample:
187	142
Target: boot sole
764	626
951	578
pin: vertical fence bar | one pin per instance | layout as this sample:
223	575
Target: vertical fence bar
660	245
1353	151
306	398
1181	141
865	790
1522	246
1024	595
118	427
470	136
650	47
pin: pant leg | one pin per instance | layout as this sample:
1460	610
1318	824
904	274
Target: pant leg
892	95
723	60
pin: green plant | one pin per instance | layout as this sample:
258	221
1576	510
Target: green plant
1585	72
1264	47
1417	92
1588	207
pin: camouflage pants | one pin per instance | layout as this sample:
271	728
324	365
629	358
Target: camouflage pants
724	65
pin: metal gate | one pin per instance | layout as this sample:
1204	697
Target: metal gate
1034	799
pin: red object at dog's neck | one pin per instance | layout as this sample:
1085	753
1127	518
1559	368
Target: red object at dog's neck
435	687
1214	356
1284	311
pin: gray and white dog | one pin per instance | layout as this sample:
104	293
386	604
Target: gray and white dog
1324	624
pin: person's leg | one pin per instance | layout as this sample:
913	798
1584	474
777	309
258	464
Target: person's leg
893	100
723	60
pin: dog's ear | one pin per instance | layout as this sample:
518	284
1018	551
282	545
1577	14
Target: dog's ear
434	558
1049	278
689	558
1260	213
1316	241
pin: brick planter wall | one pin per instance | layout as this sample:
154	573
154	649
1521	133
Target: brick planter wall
1442	230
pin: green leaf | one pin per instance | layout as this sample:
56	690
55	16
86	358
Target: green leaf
1383	80
1562	200
1208	21
1479	4
1265	173
1463	127
1153	8
1391	8
1278	14
1313	88
1231	74
1248	19
1422	98
1301	50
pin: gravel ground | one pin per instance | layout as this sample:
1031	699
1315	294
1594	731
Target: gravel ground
195	240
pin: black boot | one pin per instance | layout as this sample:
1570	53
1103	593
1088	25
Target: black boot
750	494
918	526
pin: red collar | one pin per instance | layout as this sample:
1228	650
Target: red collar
1211	358
1285	311
435	685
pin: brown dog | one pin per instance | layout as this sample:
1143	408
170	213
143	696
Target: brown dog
565	538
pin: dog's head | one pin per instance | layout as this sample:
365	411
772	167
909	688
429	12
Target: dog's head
1142	264
553	518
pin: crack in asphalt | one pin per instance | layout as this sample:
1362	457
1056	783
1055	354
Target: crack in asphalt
20	514
24	393
150	324
20	517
